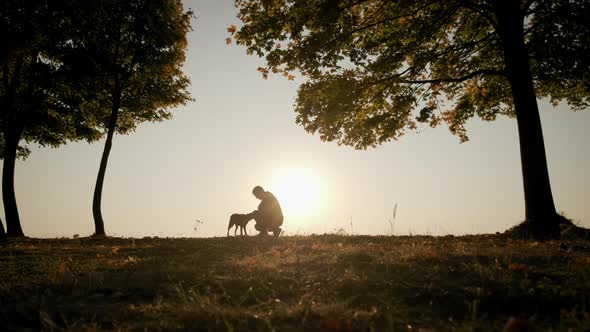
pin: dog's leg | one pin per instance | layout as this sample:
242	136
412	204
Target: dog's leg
245	230
236	230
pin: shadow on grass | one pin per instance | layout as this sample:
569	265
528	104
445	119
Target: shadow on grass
334	283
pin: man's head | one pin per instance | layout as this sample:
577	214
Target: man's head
258	192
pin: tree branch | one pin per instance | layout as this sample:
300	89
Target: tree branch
476	5
353	4
435	26
385	20
395	78
476	73
480	9
390	78
466	46
422	95
371	100
375	12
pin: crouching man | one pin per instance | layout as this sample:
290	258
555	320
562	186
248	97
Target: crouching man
269	216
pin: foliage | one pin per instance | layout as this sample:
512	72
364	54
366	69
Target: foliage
378	68
22	151
36	95
131	49
329	283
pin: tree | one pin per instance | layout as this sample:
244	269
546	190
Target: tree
35	100
378	68
129	56
2	232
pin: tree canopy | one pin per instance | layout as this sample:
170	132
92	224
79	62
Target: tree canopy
137	47
36	94
377	68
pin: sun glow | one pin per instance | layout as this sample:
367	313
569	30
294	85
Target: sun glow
299	192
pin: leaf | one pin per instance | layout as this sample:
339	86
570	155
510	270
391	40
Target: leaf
264	72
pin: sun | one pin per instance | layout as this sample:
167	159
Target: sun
298	190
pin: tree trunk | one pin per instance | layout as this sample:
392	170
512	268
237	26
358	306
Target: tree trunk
2	232
11	139
96	203
539	206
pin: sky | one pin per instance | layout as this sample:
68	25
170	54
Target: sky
240	132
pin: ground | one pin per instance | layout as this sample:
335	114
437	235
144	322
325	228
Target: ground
326	282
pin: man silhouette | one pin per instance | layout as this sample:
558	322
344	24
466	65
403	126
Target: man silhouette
269	216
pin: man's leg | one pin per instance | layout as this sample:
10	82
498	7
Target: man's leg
277	231
259	226
276	227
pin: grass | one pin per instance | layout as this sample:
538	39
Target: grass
327	282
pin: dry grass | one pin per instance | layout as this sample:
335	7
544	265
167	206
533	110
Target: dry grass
329	282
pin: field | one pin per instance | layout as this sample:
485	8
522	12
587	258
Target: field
324	282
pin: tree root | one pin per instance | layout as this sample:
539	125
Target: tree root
558	228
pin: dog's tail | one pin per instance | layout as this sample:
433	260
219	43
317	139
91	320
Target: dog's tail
229	227
232	221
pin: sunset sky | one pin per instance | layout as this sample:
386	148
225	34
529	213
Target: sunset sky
240	132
